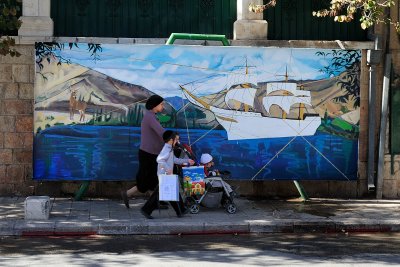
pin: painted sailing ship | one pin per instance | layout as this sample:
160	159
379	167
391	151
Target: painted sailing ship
248	111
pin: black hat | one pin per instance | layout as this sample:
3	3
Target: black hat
153	101
168	135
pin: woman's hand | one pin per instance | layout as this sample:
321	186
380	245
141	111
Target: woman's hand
169	171
191	162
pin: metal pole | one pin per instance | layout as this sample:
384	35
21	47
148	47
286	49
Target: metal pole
373	59
382	132
371	128
301	190
82	190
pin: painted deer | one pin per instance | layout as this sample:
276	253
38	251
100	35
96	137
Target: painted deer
75	104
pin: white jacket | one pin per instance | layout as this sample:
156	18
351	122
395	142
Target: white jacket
166	159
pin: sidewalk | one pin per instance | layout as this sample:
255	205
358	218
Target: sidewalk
110	217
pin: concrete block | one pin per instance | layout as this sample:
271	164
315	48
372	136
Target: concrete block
30	7
37	208
36	26
34	228
6	73
390	188
250	29
20	73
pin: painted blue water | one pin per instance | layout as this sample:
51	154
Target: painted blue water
110	153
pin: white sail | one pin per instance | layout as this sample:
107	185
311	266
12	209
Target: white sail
303	93
290	87
284	102
303	100
242	95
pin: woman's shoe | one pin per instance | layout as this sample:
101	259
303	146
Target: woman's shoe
125	198
145	214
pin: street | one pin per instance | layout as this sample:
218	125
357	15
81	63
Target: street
367	249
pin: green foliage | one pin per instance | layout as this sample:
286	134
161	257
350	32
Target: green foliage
371	11
9	23
340	127
348	60
325	119
46	51
164	118
344	109
342	124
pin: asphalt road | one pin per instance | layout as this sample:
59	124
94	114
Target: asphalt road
369	249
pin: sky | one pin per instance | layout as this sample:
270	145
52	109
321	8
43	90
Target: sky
201	69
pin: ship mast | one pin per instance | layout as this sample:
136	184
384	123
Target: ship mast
301	105
286	75
245	106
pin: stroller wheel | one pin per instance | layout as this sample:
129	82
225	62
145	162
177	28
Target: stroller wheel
194	209
231	208
225	202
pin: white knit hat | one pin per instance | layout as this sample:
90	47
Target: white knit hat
205	158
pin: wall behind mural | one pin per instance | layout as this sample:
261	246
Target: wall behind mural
262	113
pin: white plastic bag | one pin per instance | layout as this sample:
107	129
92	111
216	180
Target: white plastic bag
168	187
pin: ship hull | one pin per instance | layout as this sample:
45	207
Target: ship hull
250	125
241	125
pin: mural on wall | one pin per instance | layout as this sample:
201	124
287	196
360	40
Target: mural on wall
263	113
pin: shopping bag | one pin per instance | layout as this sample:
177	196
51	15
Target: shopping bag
168	186
193	180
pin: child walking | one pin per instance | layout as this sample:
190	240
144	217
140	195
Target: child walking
166	160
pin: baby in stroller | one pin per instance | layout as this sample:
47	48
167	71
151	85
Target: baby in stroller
217	192
206	160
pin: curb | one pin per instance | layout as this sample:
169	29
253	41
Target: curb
55	228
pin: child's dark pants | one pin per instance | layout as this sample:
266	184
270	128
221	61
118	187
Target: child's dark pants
152	204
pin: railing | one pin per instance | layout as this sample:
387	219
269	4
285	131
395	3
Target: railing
289	20
142	18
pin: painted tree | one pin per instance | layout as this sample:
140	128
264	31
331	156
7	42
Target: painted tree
371	11
350	61
9	23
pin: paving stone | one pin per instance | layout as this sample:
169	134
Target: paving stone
7	227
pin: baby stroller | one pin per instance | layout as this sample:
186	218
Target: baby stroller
216	193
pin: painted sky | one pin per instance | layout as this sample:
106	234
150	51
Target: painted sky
205	69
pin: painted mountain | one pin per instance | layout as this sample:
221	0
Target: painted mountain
108	101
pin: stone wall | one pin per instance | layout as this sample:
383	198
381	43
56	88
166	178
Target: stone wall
16	122
391	182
